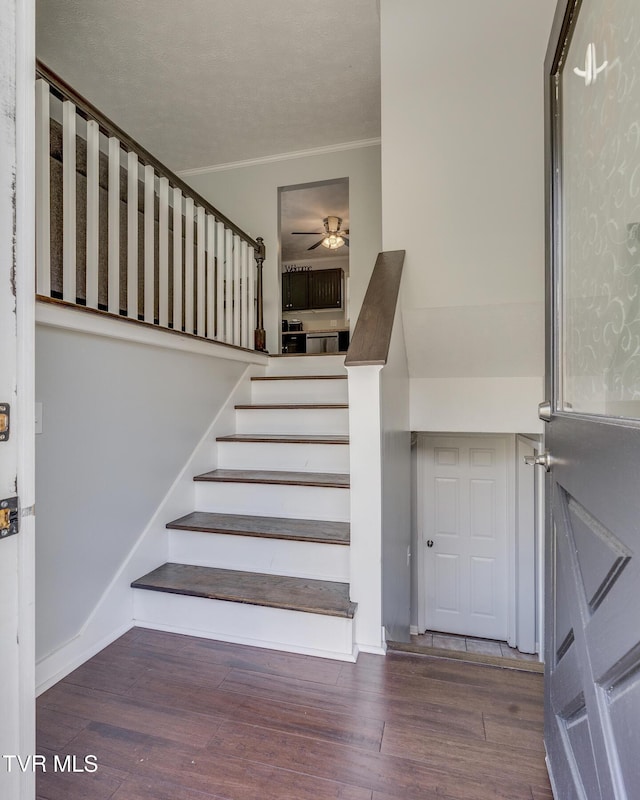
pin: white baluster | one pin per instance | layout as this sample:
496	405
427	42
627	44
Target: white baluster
244	297
113	257
177	259
200	275
188	265
163	253
220	328
69	202
228	285
211	276
149	243
237	304
93	211
43	189
132	236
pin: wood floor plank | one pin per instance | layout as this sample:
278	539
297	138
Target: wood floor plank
429	718
351	765
275	591
335	480
178	725
56	729
338	727
239	779
59	785
149	789
463	756
523	733
506	701
300	530
115	670
268	662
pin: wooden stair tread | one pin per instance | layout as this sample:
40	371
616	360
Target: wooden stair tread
299	378
285	438
329	479
299	530
276	591
291	406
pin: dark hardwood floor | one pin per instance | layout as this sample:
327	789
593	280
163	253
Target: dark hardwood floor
178	718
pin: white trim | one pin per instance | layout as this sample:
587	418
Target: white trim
81	657
253	162
413	630
76	319
265	644
512	543
25	307
248	641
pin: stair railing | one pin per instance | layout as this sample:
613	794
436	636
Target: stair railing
117	232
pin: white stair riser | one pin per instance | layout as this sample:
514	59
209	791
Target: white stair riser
303	365
312	391
294	457
299	420
273	500
329	562
274	628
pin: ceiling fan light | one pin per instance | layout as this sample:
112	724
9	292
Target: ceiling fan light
333	242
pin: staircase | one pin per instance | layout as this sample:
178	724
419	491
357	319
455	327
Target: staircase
264	558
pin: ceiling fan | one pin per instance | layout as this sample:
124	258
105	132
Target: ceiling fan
332	236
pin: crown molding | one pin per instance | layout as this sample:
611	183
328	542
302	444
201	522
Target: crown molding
252	162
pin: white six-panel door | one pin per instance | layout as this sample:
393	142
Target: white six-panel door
463	488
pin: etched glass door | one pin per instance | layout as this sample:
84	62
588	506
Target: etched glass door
592	647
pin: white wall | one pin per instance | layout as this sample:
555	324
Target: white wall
120	421
463	194
396	489
249	196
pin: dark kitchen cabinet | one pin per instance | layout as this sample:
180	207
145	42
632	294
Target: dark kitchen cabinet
295	291
319	289
325	288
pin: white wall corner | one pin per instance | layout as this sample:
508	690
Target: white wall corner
113	615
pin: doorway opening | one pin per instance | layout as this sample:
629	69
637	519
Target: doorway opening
478	540
313	221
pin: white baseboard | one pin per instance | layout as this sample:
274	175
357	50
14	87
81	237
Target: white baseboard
58	665
413	630
245	640
376	651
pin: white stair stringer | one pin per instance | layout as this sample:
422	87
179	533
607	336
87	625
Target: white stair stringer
259	626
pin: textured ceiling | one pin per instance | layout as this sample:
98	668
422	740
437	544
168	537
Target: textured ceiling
205	82
303	209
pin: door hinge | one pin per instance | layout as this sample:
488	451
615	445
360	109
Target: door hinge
5	421
9	517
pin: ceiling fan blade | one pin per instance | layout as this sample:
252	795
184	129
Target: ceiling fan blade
317	244
307	233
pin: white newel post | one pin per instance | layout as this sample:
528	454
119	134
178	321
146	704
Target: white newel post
365	448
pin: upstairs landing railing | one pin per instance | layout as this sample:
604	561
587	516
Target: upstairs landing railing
118	232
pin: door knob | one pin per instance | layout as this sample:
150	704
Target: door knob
542	460
430	543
